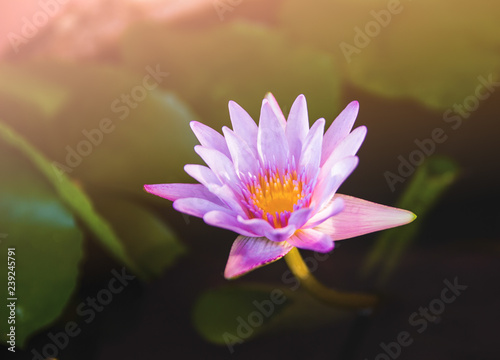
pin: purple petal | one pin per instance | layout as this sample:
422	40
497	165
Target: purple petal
271	141
243	125
243	157
263	228
178	191
209	138
248	253
198	207
297	126
202	174
229	197
281	234
349	146
328	184
220	164
276	109
227	221
300	217
339	129
310	239
311	152
258	226
361	217
333	208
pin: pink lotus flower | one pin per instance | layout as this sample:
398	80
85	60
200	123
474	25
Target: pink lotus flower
275	184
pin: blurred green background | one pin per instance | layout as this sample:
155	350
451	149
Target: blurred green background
96	99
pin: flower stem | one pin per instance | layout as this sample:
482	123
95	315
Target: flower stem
319	291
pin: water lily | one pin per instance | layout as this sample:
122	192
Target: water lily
275	184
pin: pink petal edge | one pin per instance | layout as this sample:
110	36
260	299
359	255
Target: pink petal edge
339	129
173	192
249	253
272	144
208	137
243	125
297	126
310	239
361	217
276	108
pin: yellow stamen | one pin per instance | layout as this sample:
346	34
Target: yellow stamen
275	194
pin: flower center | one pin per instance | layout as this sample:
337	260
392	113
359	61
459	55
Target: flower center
273	196
276	194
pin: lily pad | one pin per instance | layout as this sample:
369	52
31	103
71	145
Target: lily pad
438	64
150	243
114	128
238	61
47	249
70	194
231	315
404	49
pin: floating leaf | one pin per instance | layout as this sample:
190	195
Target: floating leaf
385	48
116	129
237	61
231	315
150	243
70	194
48	249
439	64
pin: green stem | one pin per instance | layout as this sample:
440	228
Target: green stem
319	291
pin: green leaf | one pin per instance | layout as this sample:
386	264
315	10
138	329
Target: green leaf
430	181
237	61
416	51
70	194
47	243
116	129
150	243
439	64
324	24
234	314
